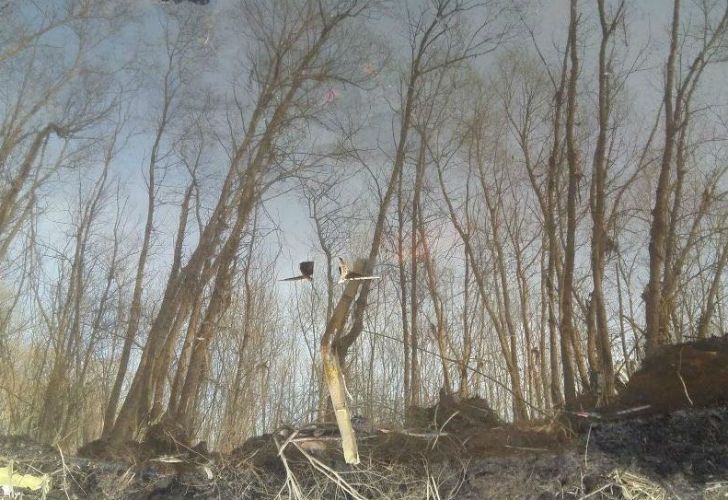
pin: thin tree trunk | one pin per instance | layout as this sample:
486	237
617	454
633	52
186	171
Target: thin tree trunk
464	389
220	299
403	293
654	331
568	333
135	309
495	316
598	207
10	196
439	332
710	302
56	398
414	298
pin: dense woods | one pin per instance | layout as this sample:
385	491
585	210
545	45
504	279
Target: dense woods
542	189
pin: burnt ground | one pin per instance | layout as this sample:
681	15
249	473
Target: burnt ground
666	436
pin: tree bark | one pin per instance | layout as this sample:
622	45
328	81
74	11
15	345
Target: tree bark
568	333
605	365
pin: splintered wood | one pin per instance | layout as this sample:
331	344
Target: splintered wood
337	391
334	375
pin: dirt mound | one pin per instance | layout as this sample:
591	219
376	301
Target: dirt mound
471	426
682	455
457	447
680	376
452	428
459	414
100	449
163	438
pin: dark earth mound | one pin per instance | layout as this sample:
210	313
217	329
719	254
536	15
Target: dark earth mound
666	436
679	376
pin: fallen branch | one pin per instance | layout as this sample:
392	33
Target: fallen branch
597	491
434	443
282	447
294	489
524	448
635	486
425	435
331	474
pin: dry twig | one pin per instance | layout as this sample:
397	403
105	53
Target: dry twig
682	381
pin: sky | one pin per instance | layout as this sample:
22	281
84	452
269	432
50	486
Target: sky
647	24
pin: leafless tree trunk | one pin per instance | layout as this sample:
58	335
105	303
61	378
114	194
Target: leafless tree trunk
658	230
598	203
232	404
438	329
414	295
169	90
431	52
69	328
710	302
676	104
406	335
496	315
463	388
324	219
218	305
548	197
568	332
282	80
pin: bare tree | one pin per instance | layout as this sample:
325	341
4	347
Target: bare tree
176	72
437	46
597	200
678	94
568	331
291	64
68	331
46	110
708	311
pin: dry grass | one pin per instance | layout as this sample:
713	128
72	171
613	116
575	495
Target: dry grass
305	475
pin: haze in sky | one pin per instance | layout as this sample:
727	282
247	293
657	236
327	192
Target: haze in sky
138	48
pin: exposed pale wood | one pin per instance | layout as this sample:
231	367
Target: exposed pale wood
333	373
337	390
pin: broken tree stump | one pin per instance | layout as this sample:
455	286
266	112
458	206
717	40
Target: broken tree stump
333	373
